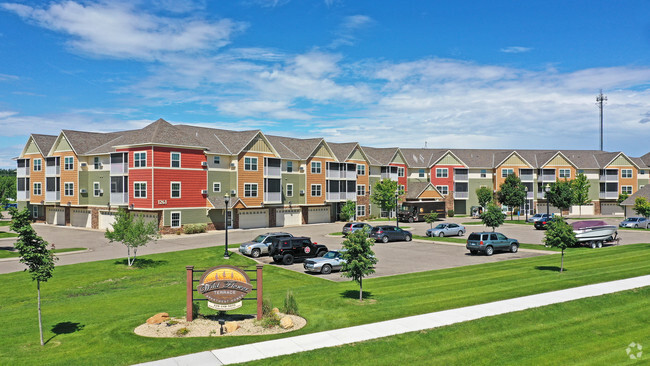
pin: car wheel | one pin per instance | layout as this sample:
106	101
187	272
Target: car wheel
326	269
636	226
287	259
441	234
473	252
489	250
384	239
460	233
321	253
592	245
255	253
514	248
410	220
407	237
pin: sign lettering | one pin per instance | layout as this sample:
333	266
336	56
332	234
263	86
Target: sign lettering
224	285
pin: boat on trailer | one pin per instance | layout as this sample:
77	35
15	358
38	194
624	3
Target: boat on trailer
594	232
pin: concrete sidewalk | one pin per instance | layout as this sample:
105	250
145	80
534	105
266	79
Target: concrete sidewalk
330	338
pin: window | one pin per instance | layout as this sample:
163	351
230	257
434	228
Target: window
421	173
175	160
68	189
289	166
315	167
176	190
96	189
442	173
400	172
581	171
37	189
250	189
96	163
38	165
483	173
641	171
216	160
626	189
250	163
34	211
361	189
289	190
443	189
361	210
176	219
216	186
140	190
68	163
565	173
315	190
506	172
140	159
402	189
361	169
626	173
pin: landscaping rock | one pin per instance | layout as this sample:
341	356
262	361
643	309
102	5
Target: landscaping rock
231	327
275	311
158	318
286	322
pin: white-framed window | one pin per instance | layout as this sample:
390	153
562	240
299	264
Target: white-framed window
175	190
289	190
34	211
289	166
361	189
442	172
140	159
626	189
175	219
361	169
216	160
175	160
97	191
37	188
250	163
565	173
316	190
402	188
361	210
315	167
483	173
68	189
38	165
506	172
250	189
443	189
216	186
400	171
68	163
140	189
97	164
626	173
421	173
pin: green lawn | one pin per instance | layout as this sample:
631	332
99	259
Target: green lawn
4	253
91	309
586	331
7	235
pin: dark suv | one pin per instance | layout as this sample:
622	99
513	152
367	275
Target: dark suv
488	242
386	233
289	249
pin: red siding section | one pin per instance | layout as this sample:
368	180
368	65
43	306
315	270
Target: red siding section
402	180
449	181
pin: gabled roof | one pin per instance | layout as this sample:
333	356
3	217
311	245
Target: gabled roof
43	142
379	155
505	156
218	202
434	162
343	150
617	154
478	158
646	159
604	158
422	158
160	132
415	189
294	148
220	141
643	192
545	161
84	142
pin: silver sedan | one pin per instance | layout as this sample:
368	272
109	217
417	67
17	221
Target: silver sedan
447	229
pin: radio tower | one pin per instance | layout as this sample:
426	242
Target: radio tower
600	99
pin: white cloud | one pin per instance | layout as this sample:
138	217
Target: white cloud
346	33
516	49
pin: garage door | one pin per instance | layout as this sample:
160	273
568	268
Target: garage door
319	215
80	218
582	210
610	208
541	208
147	217
106	219
288	217
253	218
55	216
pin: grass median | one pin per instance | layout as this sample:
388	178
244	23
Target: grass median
91	309
6	253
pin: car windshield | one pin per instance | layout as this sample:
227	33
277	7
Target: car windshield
348	225
633	219
259	239
440	226
330	255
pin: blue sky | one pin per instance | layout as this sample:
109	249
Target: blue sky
497	74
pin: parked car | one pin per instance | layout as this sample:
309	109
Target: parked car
543	223
260	245
446	229
10	205
331	261
289	249
539	216
635	222
351	227
488	242
386	233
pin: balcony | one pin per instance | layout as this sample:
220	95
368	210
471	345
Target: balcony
349	174
119	168
529	177
608	195
333	174
530	195
272	168
52	196
461	175
351	196
22	171
461	195
540	195
272	197
22	195
52	170
119	198
608	177
547	178
333	196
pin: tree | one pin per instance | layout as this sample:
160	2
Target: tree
359	258
560	235
383	194
430	218
561	195
622	197
132	233
512	192
580	187
348	210
484	195
642	206
34	253
492	216
7	188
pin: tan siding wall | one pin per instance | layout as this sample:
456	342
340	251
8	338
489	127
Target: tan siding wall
316	179
247	176
621	161
69	176
322	152
36	177
258	145
430	193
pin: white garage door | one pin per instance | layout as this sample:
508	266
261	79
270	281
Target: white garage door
106	219
319	215
80	218
288	217
582	210
253	218
541	208
55	216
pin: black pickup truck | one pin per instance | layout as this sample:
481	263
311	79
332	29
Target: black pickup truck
286	250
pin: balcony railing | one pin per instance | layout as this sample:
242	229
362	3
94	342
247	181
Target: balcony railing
541	195
349	174
526	177
391	176
352	196
609	178
608	195
461	195
333	174
119	198
530	195
22	171
22	195
119	168
333	196
51	196
272	197
461	177
272	171
52	170
547	178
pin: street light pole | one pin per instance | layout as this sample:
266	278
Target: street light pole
526	205
226	199
396	213
547	189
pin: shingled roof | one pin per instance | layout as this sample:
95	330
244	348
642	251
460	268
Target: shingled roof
422	158
379	155
415	189
294	148
84	142
44	142
342	150
220	141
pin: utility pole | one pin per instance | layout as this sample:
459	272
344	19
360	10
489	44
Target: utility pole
600	99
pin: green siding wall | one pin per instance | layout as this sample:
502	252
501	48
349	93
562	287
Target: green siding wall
642	182
594	189
475	184
188	216
227	179
86	180
298	181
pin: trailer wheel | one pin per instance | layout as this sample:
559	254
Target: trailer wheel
410	220
592	245
600	244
